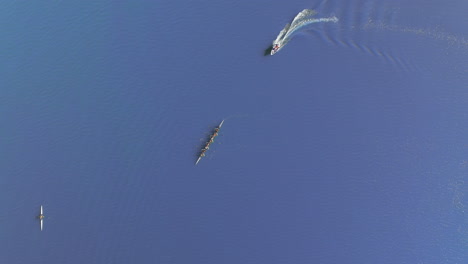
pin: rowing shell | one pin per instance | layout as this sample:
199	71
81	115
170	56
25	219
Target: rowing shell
42	219
199	158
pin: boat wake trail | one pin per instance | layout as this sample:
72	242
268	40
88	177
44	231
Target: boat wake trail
300	21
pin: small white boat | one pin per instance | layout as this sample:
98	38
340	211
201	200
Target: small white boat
275	49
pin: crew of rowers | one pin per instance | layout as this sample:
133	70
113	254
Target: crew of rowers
207	147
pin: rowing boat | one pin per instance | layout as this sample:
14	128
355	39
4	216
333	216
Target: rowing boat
207	146
41	217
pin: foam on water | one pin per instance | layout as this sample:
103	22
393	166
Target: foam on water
300	21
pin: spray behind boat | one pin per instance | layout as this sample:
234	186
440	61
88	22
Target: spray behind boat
302	19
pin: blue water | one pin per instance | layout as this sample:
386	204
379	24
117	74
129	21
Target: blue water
347	146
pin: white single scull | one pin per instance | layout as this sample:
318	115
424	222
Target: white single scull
41	217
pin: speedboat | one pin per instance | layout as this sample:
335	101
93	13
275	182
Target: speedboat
275	48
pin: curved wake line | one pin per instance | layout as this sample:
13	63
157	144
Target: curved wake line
307	22
385	53
437	35
301	20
